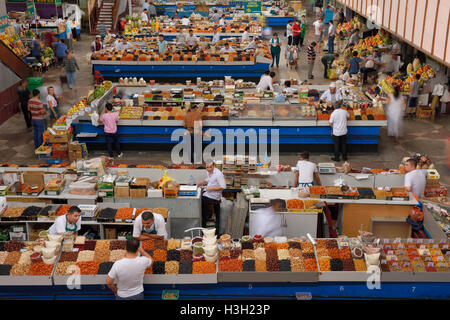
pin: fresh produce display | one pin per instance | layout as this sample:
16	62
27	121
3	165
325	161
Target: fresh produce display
15	44
348	27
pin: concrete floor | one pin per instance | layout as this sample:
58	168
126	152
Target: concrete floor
423	136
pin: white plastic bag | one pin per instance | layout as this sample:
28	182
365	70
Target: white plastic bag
94	118
226	210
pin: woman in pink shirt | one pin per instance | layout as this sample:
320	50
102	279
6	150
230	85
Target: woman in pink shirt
110	120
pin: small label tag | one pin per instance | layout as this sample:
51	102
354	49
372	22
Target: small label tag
423	246
430	264
118	220
445	247
391	252
440	258
420	241
383	262
428	259
385	240
401	246
435	246
75	249
128	220
410	240
395	264
397	240
23	250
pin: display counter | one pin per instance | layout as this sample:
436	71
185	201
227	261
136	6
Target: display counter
277	21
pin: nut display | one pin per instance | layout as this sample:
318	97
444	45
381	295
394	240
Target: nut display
158	267
40	269
20	269
68	256
173	244
248	265
297	265
148	245
88	267
13	257
172	267
248	254
260	266
185	267
285	265
283	254
3	255
31	211
203	267
13	212
231	265
124	213
62	210
159	255
62	268
273	264
116	255
117	245
185	255
5	269
86	255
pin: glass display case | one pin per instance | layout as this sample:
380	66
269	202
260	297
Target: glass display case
252	112
294	112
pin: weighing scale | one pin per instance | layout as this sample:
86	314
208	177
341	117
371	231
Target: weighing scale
187	191
259	203
327	168
87	210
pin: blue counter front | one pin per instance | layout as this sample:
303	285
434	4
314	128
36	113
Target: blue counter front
316	138
277	21
233	291
190	70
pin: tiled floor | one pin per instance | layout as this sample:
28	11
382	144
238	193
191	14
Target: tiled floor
424	136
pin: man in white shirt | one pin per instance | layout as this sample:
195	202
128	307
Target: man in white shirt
185	21
332	95
145	6
338	121
122	46
253	44
331	37
144	16
70	223
191	41
266	82
245	35
216	36
215	16
318	30
267	222
306	171
215	184
289	32
415	179
227	48
148	226
222	20
128	273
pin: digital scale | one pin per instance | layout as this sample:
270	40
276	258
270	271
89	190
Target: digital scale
259	203
327	168
87	210
187	191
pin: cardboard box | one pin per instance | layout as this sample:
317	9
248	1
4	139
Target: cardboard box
122	192
33	177
138	192
60	136
75	155
110	233
74	147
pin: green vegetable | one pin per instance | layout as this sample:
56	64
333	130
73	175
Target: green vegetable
99	91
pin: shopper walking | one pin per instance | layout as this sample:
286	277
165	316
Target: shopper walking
318	32
354	64
331	37
128	273
52	105
36	48
311	52
394	114
275	49
151	11
289	32
296	30
71	66
413	97
60	51
302	30
110	119
68	33
338	122
24	97
38	113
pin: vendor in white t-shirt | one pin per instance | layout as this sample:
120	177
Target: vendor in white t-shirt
306	171
338	122
149	226
332	95
415	179
69	223
128	273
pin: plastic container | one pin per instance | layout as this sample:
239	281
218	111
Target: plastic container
246	239
198	257
210	241
210	250
210	258
48	253
54	237
49	261
197	239
209	232
36	257
198	248
258	238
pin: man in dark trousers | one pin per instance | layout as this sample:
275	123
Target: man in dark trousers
24	96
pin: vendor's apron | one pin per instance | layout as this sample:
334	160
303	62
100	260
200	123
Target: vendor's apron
70	230
305	184
151	231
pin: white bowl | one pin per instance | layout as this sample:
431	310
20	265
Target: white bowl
210	251
48	253
49	261
209	232
210	258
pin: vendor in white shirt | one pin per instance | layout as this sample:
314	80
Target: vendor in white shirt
191	41
122	45
185	22
215	184
266	82
415	179
144	16
227	48
267	222
332	95
245	35
70	223
222	20
253	44
306	171
216	36
149	226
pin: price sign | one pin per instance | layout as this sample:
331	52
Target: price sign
410	240
31	11
397	240
3	22
430	264
58	3
252	6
